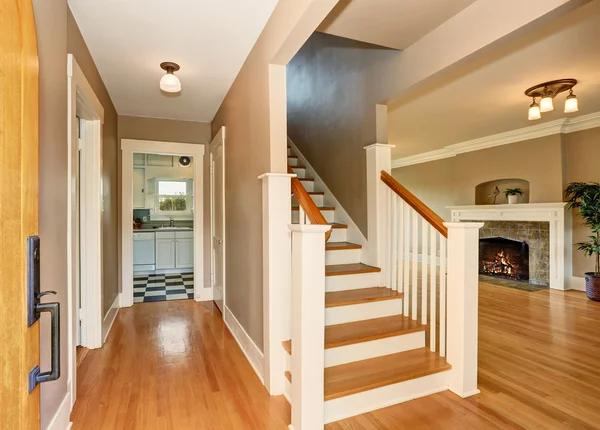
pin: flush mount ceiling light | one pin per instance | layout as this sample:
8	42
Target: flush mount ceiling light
546	92
169	82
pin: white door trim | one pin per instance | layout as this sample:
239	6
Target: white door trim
82	102
218	140
128	147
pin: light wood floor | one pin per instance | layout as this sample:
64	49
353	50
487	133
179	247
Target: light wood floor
173	365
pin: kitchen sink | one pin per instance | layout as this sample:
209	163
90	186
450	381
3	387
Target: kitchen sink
174	228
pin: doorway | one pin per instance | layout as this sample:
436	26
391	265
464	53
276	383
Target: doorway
217	206
154	251
163	227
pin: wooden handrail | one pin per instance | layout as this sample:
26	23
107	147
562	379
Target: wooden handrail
421	208
307	204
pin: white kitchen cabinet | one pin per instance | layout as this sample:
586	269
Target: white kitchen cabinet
139	185
165	250
184	253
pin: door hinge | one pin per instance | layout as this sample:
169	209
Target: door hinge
80	314
80	144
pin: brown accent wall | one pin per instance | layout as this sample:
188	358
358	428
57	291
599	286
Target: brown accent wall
51	26
548	163
169	130
332	95
110	262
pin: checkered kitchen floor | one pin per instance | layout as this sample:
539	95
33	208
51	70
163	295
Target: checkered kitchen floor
156	288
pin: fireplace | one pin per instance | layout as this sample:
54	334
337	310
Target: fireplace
504	258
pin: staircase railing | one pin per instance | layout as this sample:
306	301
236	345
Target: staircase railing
435	265
308	210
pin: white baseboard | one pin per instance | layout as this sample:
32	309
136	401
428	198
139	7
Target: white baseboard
577	283
203	294
110	317
253	354
61	419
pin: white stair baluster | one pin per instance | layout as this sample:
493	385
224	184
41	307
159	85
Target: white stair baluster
424	265
415	263
393	240
406	236
443	245
433	291
399	239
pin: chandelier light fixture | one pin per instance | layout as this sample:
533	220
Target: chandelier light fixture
546	92
169	82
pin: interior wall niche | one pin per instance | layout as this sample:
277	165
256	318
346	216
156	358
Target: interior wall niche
484	190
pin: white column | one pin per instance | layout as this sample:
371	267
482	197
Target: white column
308	326
462	301
375	253
277	278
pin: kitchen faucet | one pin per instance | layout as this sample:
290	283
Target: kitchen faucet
172	223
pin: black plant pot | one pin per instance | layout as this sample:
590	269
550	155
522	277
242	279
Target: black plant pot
592	286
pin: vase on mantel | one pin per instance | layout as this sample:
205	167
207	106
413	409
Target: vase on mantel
513	200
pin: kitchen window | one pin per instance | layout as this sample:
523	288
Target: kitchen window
173	197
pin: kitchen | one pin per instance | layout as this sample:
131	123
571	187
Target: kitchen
163	228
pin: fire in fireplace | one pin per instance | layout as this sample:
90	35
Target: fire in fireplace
504	258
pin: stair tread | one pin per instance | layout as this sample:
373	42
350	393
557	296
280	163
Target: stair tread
362	295
316	193
336	246
371	329
349	269
359	376
323	208
298	167
307	179
292	156
338	225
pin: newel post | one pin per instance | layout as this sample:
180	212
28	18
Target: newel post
277	278
308	326
462	305
379	157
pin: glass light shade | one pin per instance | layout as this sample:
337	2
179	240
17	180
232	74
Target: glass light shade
546	104
571	104
534	111
170	83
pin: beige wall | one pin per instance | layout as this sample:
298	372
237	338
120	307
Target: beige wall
51	25
110	263
331	113
169	130
548	163
253	113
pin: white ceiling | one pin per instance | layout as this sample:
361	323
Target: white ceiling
209	39
485	98
392	23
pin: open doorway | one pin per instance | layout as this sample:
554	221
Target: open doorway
163	227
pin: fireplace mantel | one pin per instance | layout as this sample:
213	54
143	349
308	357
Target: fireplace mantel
554	213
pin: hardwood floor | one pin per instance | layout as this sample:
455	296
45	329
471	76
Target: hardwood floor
173	365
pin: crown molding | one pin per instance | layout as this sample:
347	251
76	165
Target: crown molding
559	126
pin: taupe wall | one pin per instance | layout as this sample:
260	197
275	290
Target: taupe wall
168	130
51	25
331	103
548	163
110	262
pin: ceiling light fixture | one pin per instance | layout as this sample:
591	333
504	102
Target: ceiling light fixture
169	82
546	92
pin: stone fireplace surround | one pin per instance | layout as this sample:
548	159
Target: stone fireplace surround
523	219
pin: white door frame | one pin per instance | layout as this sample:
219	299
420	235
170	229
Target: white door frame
128	148
218	140
82	102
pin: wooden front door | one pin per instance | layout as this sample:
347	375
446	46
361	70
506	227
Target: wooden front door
19	344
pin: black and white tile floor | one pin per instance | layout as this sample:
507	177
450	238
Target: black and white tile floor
155	288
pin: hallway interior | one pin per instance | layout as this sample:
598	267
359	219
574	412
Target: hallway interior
174	365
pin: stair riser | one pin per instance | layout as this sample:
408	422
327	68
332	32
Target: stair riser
374	348
352	282
308	185
300	172
362	311
317	198
289	151
342	256
367	401
328	215
292	161
338	235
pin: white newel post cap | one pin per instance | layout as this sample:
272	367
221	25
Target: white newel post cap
310	228
464	225
379	145
277	175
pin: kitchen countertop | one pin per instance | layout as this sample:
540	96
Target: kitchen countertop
142	230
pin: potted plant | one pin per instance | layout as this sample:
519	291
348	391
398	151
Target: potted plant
512	194
585	197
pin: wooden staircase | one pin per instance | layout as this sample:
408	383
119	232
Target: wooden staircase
374	355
